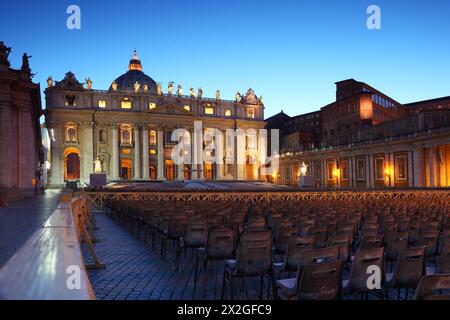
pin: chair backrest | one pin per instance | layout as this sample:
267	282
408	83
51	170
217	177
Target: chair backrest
343	241
370	242
443	260
196	234
177	226
295	248
397	242
429	285
254	257
362	261
319	255
221	242
410	267
429	240
321	281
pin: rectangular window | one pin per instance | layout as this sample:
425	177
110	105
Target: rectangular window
152	151
379	168
151	105
101	103
209	110
360	170
187	108
251	113
227	113
344	170
70	101
125	105
401	167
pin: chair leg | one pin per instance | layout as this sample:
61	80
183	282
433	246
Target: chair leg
261	287
205	278
196	270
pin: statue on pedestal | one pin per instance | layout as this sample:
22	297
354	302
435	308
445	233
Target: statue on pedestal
303	169
179	90
145	87
170	88
217	94
97	166
191	92
114	86
200	93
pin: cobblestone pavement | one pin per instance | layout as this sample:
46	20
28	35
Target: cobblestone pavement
134	272
19	220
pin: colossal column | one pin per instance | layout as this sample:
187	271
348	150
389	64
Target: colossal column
145	154
87	150
137	153
114	171
160	153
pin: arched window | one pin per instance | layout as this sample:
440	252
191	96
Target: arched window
126	134
152	137
71	133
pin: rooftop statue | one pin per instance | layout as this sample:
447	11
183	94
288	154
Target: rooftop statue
179	90
114	86
137	86
159	89
217	94
4	53
191	92
50	82
170	88
238	96
200	93
88	83
146	87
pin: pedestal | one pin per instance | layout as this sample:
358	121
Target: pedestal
97	180
306	181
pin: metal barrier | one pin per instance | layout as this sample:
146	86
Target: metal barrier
49	266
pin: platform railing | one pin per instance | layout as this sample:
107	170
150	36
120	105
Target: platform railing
50	265
98	198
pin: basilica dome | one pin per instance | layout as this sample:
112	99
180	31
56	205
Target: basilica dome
134	80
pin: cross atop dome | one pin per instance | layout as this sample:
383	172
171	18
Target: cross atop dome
135	63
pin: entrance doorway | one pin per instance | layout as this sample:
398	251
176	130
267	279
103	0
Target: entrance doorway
125	169
71	165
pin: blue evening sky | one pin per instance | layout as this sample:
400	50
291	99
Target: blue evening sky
291	52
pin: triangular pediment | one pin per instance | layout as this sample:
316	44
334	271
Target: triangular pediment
171	108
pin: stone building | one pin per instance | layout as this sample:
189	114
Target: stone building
366	139
21	153
129	127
